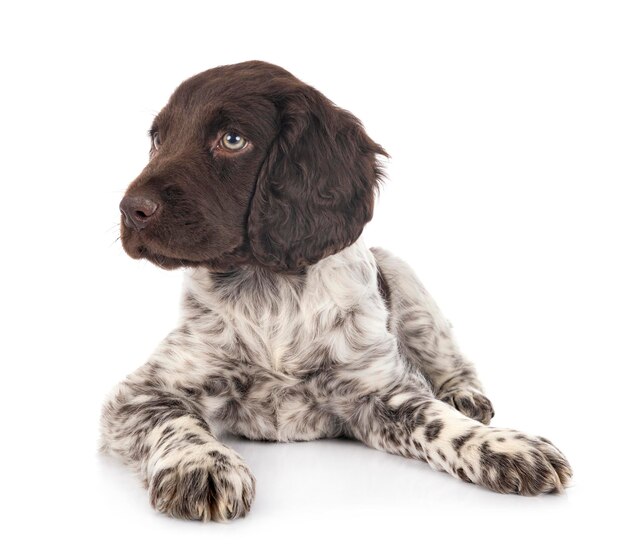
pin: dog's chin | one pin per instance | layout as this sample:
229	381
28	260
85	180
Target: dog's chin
138	248
141	249
169	263
160	260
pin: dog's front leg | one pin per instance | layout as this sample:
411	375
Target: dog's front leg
406	419
160	432
425	339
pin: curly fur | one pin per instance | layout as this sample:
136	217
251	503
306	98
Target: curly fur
291	328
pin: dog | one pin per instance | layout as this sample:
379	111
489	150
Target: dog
291	328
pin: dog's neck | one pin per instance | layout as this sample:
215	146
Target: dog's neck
341	279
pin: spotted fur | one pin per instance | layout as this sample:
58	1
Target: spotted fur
312	359
324	340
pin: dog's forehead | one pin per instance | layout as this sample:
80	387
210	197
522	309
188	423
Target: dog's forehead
231	83
243	93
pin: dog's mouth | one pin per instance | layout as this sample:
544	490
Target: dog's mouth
138	247
163	261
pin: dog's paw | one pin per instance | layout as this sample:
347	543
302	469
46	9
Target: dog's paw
471	403
508	461
202	483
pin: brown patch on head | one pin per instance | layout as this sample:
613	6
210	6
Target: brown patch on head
301	188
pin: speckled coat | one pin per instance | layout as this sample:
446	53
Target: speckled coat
291	328
333	352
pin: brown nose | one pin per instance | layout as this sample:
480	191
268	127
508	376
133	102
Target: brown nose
137	211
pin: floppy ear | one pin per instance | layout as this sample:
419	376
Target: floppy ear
315	191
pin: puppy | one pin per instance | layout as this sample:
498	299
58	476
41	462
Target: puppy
291	329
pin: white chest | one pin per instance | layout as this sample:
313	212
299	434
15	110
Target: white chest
288	324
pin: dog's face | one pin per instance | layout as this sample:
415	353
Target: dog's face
249	165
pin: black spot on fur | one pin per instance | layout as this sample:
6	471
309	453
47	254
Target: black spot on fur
215	385
461	474
459	442
432	430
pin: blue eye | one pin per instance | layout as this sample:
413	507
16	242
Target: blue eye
232	141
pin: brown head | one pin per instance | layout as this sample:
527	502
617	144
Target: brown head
249	165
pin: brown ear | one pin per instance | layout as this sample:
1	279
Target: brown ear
315	191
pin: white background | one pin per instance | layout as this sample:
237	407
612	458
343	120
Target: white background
506	122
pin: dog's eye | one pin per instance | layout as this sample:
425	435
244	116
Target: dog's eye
156	140
232	141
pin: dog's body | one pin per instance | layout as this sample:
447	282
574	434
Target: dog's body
290	335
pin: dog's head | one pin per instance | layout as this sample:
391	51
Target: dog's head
249	165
